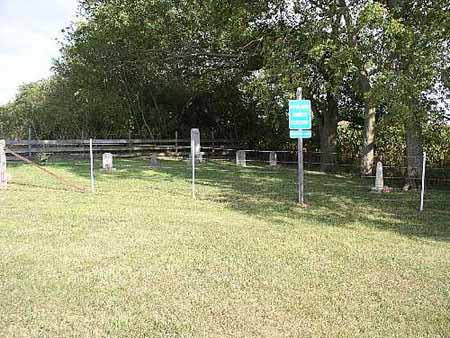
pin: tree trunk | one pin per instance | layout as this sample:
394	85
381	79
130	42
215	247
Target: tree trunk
414	151
368	149
328	132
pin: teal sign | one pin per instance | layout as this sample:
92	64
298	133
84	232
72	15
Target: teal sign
299	114
300	133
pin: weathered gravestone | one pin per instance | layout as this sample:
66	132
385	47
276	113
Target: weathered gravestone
107	163
273	159
154	161
379	181
3	177
241	160
195	141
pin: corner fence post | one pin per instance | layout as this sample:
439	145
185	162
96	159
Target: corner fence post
3	176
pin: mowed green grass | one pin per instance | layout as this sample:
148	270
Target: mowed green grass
141	258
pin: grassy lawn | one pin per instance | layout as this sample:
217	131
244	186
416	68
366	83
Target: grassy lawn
141	259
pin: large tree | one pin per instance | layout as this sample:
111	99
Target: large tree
159	57
418	61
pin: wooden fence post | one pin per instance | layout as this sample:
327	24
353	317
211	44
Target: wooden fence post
91	153
29	142
82	143
129	142
3	177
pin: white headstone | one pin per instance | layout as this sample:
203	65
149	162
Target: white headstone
154	161
3	177
273	159
241	158
379	181
195	137
107	161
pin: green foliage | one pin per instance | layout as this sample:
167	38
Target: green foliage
437	144
150	68
390	145
349	142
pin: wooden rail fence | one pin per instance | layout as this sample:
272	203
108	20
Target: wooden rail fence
117	146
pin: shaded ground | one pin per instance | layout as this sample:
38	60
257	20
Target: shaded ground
141	259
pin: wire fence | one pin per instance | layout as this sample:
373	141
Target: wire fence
217	177
123	147
260	162
409	169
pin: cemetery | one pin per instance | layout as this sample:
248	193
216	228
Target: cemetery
205	238
139	245
218	169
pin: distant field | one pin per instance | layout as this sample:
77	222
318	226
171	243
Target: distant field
141	259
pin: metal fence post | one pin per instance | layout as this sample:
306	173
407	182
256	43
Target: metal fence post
422	192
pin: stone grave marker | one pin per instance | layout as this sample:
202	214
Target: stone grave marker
154	161
379	181
273	159
241	158
107	163
195	137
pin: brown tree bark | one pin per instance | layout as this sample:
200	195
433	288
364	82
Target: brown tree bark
328	133
368	147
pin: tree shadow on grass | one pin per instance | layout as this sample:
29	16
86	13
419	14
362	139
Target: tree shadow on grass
270	194
332	200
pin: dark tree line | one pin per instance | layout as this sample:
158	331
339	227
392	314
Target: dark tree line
151	68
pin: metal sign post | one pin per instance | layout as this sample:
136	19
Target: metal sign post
300	128
300	178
